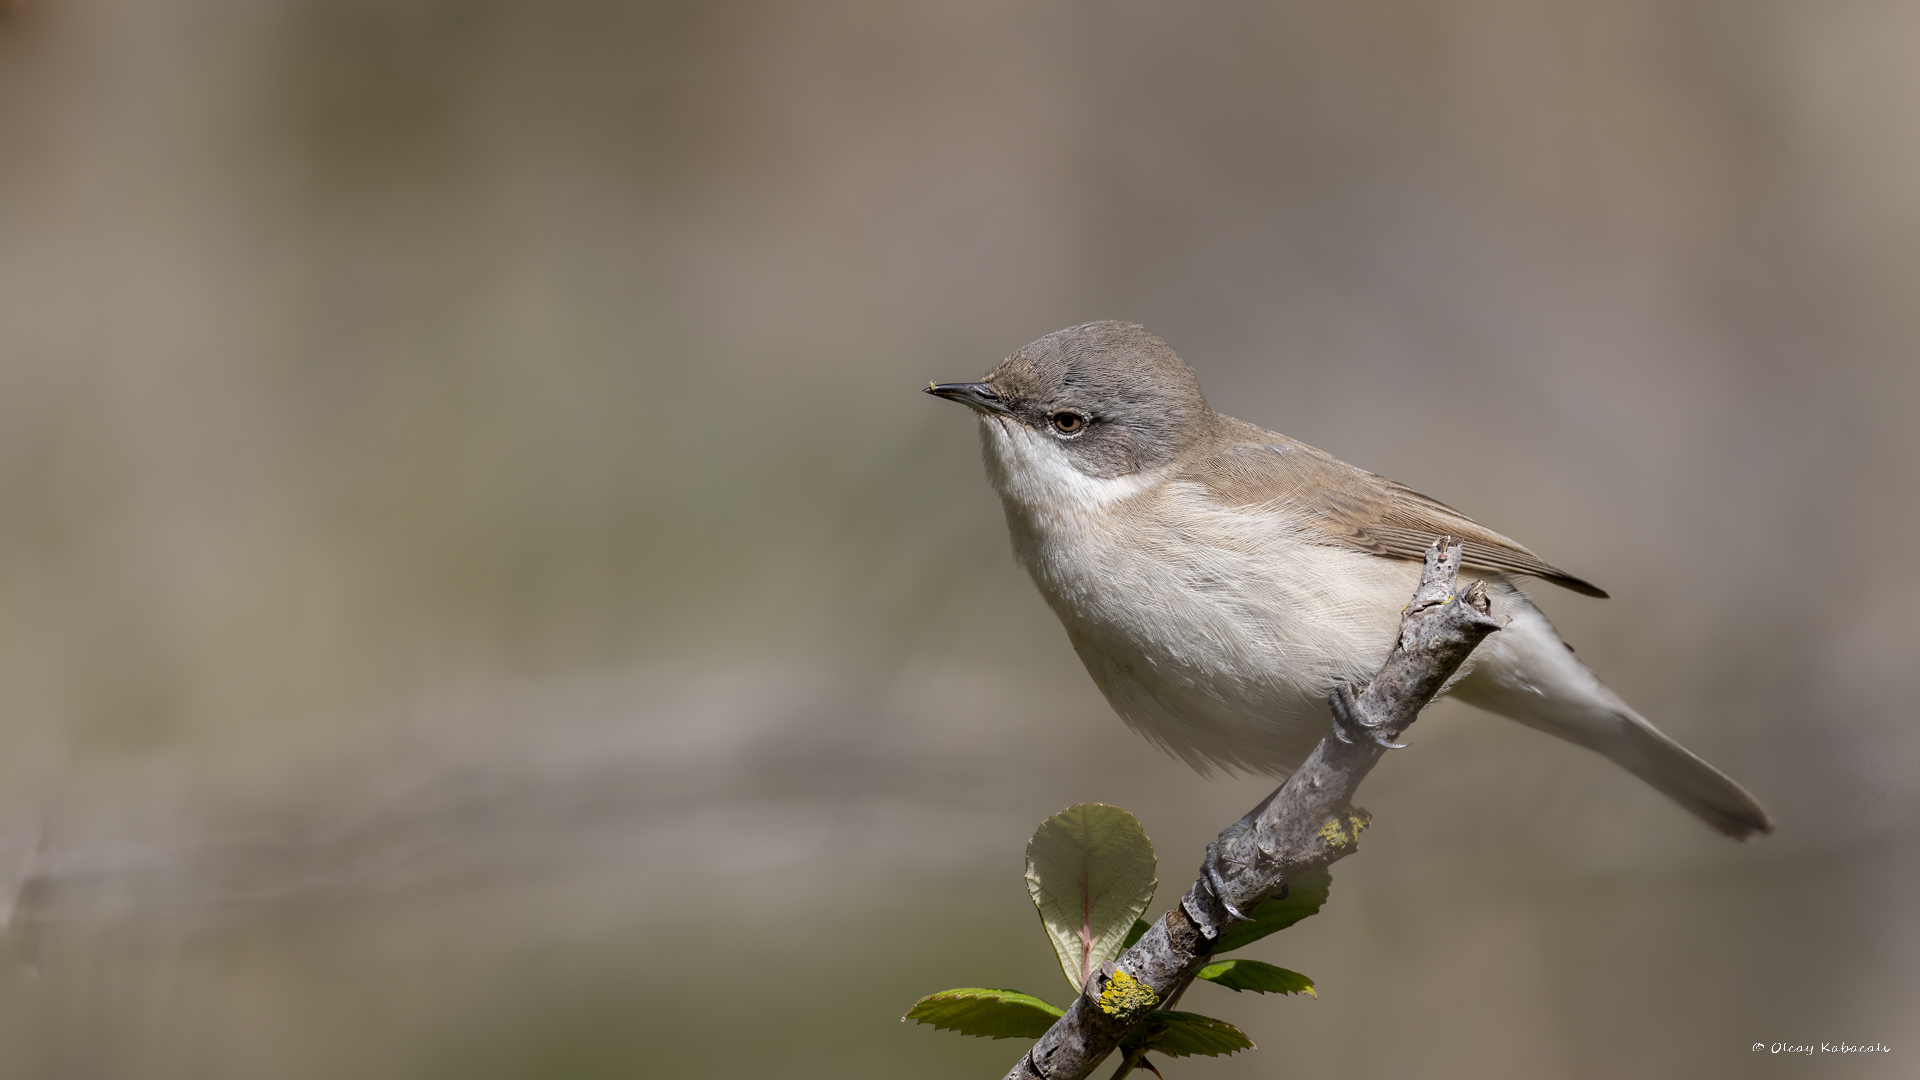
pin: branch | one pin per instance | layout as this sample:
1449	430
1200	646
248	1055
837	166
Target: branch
1304	825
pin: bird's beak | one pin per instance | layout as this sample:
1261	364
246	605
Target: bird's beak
975	395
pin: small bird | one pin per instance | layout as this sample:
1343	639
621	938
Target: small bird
1217	578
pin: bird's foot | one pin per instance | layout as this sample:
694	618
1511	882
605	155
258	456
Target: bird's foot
1216	883
1347	725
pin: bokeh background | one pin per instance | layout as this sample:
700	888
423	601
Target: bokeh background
481	596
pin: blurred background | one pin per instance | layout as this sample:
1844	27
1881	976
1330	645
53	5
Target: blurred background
481	595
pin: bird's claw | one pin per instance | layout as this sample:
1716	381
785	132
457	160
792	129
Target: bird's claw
1380	736
1210	869
1347	725
1344	719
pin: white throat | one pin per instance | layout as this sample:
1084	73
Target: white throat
1036	474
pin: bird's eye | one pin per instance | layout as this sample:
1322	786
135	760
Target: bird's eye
1068	423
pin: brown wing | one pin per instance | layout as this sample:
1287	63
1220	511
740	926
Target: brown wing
1355	508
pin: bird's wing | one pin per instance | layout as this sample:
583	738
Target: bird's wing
1351	507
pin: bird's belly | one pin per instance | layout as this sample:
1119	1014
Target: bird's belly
1224	652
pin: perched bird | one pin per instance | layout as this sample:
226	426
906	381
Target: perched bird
1217	578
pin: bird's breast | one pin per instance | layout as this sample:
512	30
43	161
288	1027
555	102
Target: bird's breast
1217	631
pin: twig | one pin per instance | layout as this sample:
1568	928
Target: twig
1304	825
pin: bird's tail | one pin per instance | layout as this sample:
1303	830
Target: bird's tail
1680	775
1525	672
1609	728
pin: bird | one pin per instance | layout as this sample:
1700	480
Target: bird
1217	579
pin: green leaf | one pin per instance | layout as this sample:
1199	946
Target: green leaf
991	1014
1140	928
1304	896
1090	873
1185	1034
1258	977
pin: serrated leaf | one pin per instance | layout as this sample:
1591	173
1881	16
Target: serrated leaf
1261	978
1140	928
990	1014
1304	896
1185	1034
1090	871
